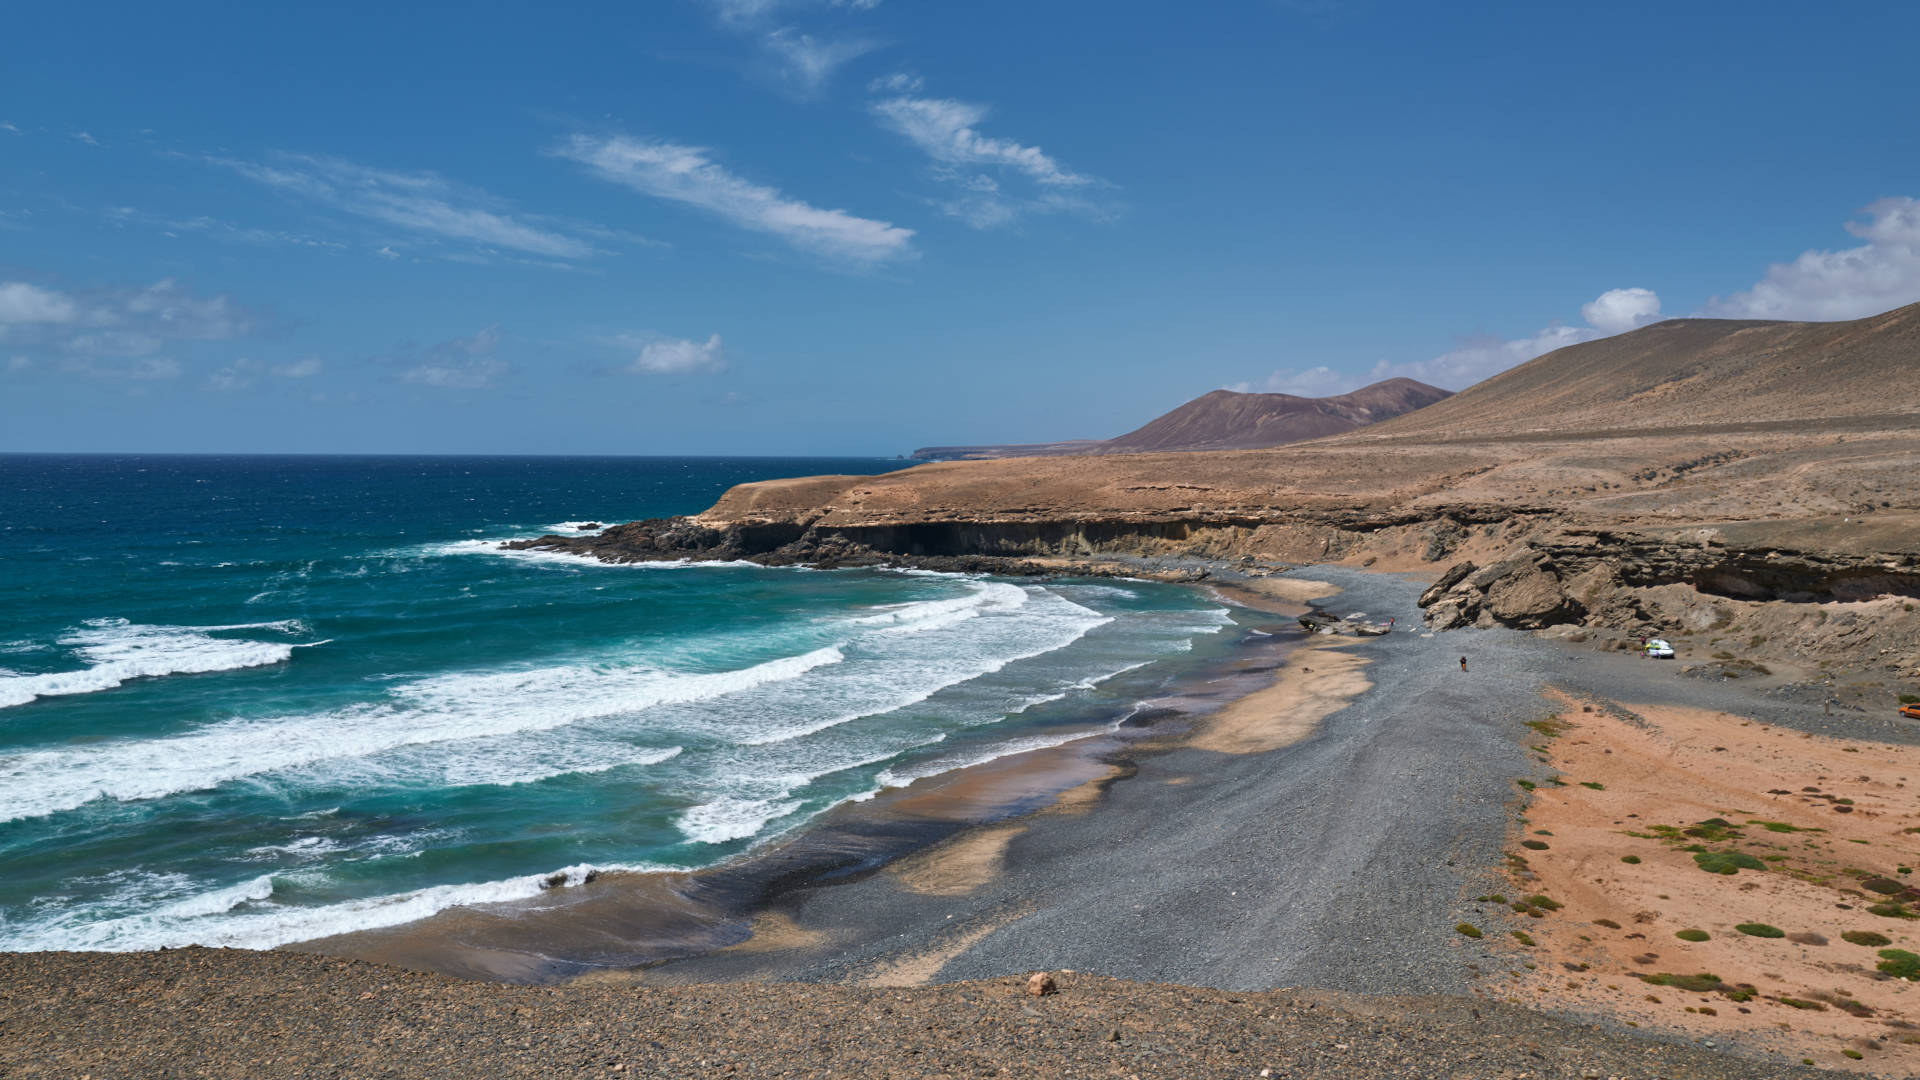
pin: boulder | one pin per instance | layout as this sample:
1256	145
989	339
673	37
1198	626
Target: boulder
1455	575
1040	984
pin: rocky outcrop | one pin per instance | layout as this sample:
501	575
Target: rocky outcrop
1589	576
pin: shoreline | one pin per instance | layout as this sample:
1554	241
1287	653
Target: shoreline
619	923
1339	858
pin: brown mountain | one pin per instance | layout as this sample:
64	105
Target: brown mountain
1227	420
1688	373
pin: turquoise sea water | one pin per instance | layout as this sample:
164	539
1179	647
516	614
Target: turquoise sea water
249	701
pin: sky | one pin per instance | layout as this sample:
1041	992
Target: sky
864	226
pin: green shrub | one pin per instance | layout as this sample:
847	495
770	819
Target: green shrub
1468	929
1594	786
1693	935
1899	963
1631	860
1797	1003
1727	862
1534	845
1702	983
1866	937
1522	937
1893	909
1544	902
1910	699
1760	929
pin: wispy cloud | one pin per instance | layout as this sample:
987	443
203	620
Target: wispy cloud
978	167
1612	312
85	137
657	354
420	202
808	62
9	128
208	226
948	131
1880	274
244	372
463	363
688	175
801	61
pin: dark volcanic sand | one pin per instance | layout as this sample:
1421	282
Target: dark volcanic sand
199	1012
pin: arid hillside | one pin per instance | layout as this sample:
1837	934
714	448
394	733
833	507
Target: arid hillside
1228	420
1689	372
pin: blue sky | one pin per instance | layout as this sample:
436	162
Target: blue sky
862	226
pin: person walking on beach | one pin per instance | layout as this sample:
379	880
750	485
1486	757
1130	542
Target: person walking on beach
1463	663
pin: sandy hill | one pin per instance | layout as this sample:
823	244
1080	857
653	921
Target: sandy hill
1227	420
1692	372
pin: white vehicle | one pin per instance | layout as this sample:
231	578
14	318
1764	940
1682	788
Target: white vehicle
1658	649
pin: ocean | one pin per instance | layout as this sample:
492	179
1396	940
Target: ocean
248	701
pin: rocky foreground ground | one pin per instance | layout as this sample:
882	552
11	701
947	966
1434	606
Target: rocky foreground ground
219	1013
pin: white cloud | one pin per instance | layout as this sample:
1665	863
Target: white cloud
5	126
1612	312
1619	310
685	174
422	202
1881	274
948	132
24	303
1311	382
900	82
19	363
81	136
804	61
115	334
672	356
244	372
466	363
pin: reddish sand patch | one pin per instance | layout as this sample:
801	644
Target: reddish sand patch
1829	818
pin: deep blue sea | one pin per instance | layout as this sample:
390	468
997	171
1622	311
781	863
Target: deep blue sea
249	700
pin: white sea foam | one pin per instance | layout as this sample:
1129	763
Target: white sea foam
244	916
117	650
731	819
438	709
570	559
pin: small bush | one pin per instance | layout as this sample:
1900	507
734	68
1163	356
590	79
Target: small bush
1608	923
1534	845
1899	963
1760	929
1854	1054
1910	699
1594	786
1893	909
1866	937
1468	929
1694	935
1727	862
1797	1003
1630	860
1702	983
1544	902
